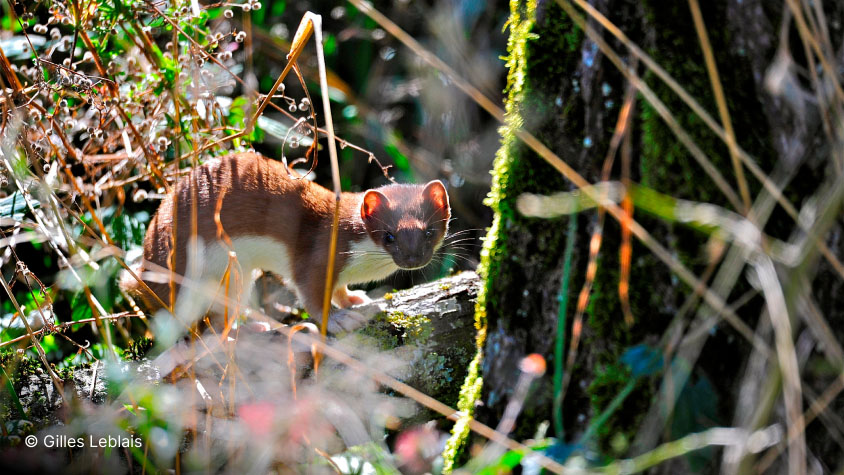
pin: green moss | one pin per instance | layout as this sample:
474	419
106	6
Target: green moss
394	328
137	349
20	365
469	393
380	330
65	373
415	329
515	171
608	381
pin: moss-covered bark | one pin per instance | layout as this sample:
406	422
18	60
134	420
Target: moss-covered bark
562	89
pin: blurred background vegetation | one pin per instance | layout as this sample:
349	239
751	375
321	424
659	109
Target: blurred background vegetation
386	102
710	316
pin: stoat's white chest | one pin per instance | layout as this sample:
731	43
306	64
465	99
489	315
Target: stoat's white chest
366	263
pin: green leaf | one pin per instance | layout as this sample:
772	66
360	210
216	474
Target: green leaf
329	45
402	163
643	360
14	206
79	307
49	344
278	8
505	464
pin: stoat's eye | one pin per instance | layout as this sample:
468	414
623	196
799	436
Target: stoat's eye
389	238
429	234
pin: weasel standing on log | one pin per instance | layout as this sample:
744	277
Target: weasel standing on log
282	225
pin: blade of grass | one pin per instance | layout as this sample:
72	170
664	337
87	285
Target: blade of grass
721	101
725	436
560	343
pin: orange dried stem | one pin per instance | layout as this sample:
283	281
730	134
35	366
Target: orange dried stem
625	256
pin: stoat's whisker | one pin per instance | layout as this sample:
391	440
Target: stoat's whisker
462	248
461	236
458	241
455	254
459	248
464	231
462	240
463	258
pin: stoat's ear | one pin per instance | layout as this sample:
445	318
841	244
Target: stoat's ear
435	193
372	201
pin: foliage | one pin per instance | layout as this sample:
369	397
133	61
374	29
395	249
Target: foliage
106	103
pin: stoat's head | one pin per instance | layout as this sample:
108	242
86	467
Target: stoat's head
407	221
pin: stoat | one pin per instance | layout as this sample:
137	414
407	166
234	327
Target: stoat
274	222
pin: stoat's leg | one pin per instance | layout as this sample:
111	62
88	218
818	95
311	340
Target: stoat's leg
343	297
345	320
339	320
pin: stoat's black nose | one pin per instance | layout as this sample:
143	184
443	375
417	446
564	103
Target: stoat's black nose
412	261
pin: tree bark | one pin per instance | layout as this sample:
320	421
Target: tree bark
565	91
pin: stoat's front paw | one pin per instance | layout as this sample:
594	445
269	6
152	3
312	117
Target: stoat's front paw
357	297
348	298
345	320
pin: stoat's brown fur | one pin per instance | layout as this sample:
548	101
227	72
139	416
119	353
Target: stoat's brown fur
280	224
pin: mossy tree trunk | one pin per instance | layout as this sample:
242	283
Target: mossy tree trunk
562	89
